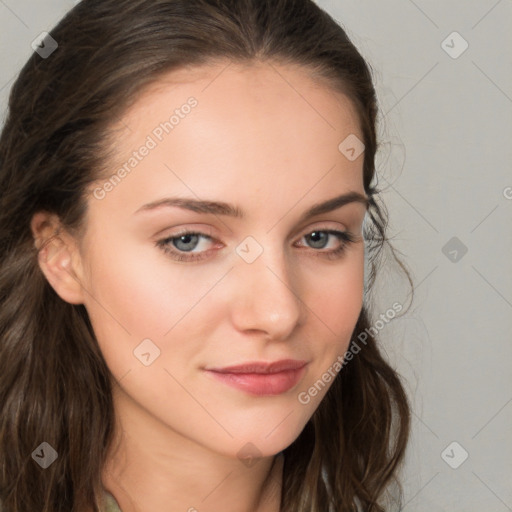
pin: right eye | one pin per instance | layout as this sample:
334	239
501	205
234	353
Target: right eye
181	245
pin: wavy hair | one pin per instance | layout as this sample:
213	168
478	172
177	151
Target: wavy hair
54	383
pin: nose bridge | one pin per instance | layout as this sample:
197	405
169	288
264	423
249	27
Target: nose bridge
267	294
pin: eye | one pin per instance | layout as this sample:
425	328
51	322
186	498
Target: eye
319	237
181	246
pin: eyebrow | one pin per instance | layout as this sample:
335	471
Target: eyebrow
222	208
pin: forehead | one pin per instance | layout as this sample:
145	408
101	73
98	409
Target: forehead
262	131
233	92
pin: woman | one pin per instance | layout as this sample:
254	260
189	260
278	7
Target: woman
186	207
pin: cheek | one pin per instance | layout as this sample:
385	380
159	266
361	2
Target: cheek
335	303
140	295
337	298
126	300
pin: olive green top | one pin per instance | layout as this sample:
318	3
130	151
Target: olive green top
111	504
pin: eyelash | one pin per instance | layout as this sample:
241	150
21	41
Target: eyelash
344	236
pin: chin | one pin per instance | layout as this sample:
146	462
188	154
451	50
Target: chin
262	442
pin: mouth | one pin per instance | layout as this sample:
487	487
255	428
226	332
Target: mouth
261	378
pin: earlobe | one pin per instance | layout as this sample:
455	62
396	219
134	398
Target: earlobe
57	257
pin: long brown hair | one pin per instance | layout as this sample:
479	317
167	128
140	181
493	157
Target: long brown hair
54	384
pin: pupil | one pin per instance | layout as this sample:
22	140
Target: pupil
185	239
316	237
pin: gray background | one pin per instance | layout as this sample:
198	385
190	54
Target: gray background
445	158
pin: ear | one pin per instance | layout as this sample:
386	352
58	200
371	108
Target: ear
58	257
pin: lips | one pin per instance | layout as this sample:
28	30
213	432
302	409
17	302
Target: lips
261	378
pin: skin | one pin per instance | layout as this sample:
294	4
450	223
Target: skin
272	150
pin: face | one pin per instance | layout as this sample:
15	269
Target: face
177	293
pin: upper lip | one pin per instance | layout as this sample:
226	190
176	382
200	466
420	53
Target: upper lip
262	367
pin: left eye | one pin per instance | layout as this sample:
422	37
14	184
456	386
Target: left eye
316	238
179	245
187	241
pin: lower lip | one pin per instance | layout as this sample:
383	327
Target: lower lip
262	384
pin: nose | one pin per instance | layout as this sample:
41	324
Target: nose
266	297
